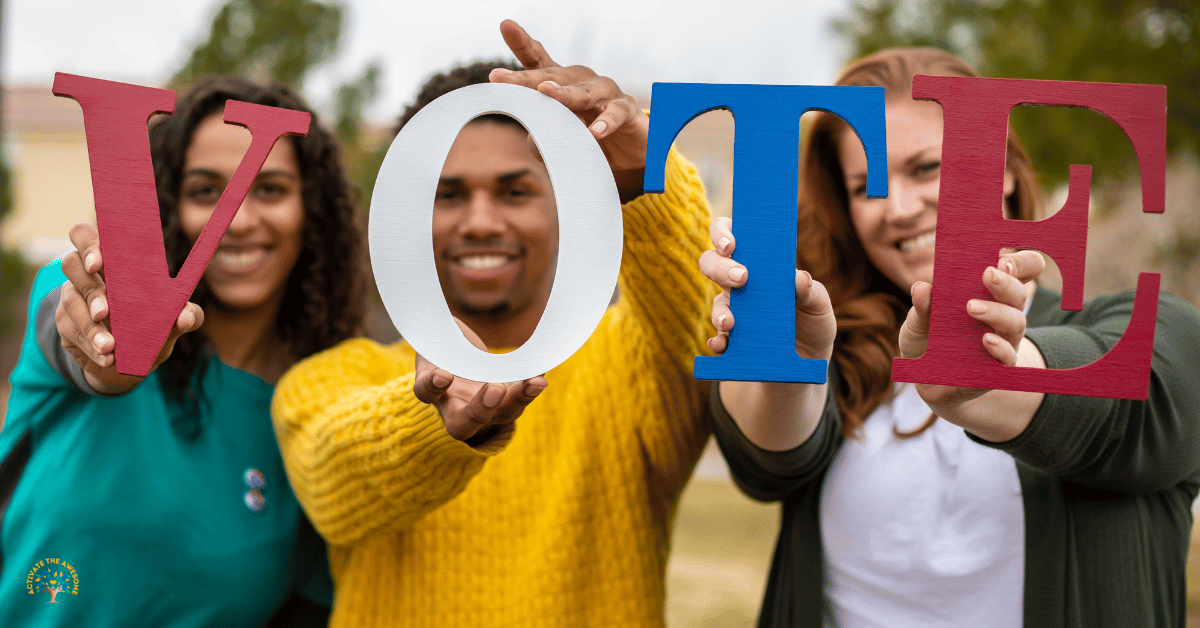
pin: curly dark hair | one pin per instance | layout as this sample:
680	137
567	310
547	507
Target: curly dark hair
323	302
458	76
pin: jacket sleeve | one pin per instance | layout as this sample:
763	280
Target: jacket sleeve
773	475
1117	444
362	453
667	303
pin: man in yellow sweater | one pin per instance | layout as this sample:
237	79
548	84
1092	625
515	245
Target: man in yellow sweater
440	507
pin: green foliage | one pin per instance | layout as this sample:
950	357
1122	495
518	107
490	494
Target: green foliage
351	98
281	40
13	274
1123	41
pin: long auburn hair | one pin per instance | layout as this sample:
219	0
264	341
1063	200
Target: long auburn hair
323	302
870	308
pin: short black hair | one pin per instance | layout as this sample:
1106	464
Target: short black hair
458	76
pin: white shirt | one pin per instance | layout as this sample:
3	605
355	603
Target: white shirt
925	532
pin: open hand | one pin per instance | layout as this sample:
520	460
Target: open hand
816	325
613	117
82	316
473	412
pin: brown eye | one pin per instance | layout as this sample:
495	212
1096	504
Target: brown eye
516	193
203	193
447	194
270	191
927	168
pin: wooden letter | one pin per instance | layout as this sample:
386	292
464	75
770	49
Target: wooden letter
143	299
765	159
971	230
589	232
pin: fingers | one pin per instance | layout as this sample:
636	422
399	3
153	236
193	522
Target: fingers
718	267
722	320
811	295
722	316
86	240
478	412
1005	288
722	270
78	329
190	319
922	295
517	397
1024	265
88	286
528	50
1000	349
914	333
1006	321
431	383
600	94
720	233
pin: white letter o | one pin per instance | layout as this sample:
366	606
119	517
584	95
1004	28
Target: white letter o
589	232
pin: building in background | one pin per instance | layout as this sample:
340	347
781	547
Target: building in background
52	184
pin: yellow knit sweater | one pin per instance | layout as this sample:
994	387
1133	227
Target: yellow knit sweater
562	521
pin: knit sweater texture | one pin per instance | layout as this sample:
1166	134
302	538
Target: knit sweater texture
563	520
1107	484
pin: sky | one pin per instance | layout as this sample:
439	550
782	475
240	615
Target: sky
635	42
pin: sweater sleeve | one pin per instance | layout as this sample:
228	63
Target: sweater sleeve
1118	445
668	301
362	453
772	475
36	373
660	275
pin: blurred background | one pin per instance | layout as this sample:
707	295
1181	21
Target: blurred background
360	61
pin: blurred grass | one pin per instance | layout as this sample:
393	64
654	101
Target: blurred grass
1193	579
719	554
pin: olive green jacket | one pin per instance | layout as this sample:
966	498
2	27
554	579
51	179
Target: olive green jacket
1107	484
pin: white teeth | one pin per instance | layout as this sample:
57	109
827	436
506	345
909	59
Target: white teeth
239	260
483	262
918	242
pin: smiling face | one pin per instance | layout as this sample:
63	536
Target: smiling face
897	232
256	255
495	225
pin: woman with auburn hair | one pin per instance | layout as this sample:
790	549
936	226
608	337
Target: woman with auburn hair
164	502
919	505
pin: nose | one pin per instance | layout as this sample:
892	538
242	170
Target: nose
483	217
246	218
907	200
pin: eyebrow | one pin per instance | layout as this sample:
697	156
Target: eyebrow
504	178
206	172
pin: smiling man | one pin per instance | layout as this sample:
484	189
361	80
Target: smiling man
495	229
440	506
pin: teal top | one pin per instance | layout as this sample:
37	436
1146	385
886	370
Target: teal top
157	529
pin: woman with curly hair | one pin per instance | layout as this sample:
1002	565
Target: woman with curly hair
164	502
920	505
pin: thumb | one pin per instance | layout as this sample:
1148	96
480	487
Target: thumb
914	334
189	320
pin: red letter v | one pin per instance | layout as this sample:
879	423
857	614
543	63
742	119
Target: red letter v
143	299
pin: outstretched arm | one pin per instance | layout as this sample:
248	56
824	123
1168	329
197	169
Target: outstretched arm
1120	445
81	318
363	453
775	416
